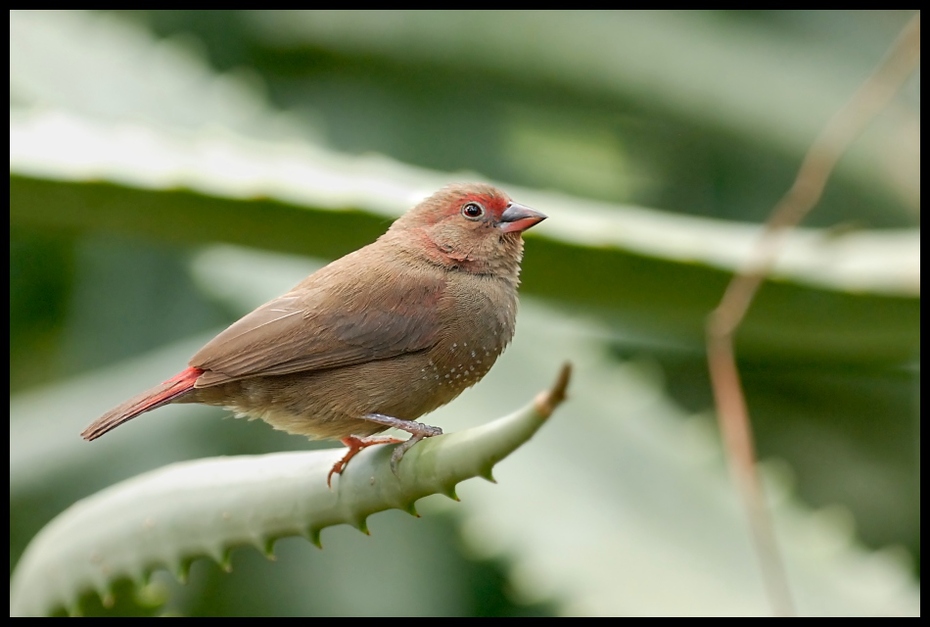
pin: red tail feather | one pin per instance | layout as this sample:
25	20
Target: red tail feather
163	394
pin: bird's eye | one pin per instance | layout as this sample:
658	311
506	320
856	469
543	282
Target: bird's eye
472	211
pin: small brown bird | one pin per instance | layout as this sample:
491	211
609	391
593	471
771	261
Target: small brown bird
375	339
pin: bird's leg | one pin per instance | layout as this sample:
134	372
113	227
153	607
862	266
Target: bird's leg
417	430
356	444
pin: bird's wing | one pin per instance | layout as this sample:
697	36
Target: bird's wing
332	319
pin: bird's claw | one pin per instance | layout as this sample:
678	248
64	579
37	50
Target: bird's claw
428	431
355	445
401	450
417	431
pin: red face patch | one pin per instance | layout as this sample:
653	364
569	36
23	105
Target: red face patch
493	204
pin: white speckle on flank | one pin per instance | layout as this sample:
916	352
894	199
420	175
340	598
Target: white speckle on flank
473	354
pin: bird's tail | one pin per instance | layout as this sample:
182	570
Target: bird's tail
160	395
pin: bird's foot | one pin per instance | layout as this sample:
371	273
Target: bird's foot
356	444
417	430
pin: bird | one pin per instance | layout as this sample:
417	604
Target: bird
373	340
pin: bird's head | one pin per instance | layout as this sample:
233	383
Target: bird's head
473	227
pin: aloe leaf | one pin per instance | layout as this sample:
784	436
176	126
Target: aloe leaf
170	516
194	155
664	272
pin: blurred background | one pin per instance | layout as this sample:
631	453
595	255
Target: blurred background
170	171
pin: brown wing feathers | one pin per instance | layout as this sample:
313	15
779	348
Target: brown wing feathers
323	329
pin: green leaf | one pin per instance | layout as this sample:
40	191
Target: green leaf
168	517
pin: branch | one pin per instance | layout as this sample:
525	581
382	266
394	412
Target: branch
818	164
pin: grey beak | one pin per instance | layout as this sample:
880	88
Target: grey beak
517	218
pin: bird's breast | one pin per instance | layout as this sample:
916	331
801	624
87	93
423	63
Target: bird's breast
479	324
459	365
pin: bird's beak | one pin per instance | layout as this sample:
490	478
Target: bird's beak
517	218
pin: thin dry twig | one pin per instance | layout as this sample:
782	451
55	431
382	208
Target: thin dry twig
872	96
